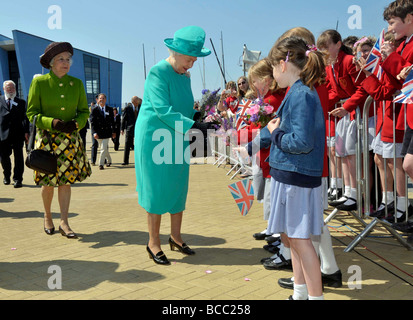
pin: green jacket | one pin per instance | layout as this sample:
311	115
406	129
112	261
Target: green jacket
53	98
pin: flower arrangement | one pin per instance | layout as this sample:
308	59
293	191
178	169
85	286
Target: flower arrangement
260	113
208	103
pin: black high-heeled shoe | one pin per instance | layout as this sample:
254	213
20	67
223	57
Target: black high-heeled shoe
50	231
183	249
159	258
70	235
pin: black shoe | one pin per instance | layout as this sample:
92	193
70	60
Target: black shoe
49	232
391	218
348	207
332	280
70	235
335	196
101	168
283	265
108	165
6	181
336	203
159	258
18	184
286	283
263	260
125	164
404	226
271	240
183	249
381	211
271	248
260	236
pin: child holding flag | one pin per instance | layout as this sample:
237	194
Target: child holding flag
399	15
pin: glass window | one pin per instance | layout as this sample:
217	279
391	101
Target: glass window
92	76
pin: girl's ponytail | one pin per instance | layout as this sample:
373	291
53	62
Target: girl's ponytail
307	58
314	71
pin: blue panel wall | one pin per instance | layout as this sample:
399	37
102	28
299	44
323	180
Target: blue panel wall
29	48
4	67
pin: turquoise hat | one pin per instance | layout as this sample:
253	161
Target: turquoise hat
189	41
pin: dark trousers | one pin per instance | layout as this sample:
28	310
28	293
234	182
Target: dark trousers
128	146
6	149
95	146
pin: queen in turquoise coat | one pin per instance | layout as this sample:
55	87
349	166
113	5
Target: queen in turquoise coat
161	140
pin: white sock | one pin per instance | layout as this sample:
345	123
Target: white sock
387	197
339	183
401	206
286	253
353	193
327	258
300	292
333	183
347	191
316	298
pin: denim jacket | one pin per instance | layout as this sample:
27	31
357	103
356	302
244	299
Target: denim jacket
298	144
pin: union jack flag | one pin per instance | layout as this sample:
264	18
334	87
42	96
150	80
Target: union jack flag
407	90
243	193
372	63
243	106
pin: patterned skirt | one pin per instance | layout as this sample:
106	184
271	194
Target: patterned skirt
72	162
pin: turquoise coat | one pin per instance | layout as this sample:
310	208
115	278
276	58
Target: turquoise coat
161	147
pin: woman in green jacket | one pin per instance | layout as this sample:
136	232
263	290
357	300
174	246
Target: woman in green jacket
60	104
161	148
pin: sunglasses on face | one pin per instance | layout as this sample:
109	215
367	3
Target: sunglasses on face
241	83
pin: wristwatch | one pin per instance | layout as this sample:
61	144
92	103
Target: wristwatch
77	125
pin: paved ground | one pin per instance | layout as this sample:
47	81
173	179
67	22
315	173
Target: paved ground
109	260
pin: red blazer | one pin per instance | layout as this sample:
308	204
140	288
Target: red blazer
275	100
322	92
382	91
393	65
341	84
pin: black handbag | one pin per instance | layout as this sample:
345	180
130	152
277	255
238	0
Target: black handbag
40	160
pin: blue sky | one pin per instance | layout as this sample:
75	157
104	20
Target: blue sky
122	27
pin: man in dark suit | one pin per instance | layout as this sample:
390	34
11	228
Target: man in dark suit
130	114
102	123
95	144
117	129
14	130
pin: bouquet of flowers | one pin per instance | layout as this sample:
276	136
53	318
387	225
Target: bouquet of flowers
208	103
260	113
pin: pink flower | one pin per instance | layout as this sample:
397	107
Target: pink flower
255	109
268	109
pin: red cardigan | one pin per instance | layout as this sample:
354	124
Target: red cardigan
393	65
341	84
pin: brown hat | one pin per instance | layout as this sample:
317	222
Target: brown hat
53	50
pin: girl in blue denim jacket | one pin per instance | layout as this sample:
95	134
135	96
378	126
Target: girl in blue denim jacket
297	138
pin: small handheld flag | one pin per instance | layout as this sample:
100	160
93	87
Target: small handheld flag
372	62
407	90
243	106
243	193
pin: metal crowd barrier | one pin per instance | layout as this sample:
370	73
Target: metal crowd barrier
224	155
363	173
